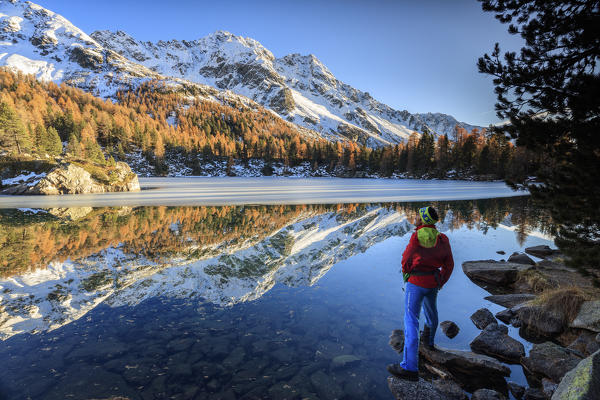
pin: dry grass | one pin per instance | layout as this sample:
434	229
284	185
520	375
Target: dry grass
535	281
564	301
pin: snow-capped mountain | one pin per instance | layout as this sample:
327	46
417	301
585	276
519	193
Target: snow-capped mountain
299	88
221	66
299	254
37	41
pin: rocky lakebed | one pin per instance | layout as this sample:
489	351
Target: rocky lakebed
554	307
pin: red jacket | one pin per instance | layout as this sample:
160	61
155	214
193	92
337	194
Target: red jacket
417	257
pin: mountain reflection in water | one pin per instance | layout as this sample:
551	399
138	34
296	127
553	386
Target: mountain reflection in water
219	302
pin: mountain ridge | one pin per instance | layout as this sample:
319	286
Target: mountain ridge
298	88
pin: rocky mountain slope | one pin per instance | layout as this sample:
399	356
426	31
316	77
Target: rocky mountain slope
299	88
221	66
37	41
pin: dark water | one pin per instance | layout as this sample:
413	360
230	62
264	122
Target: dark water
273	302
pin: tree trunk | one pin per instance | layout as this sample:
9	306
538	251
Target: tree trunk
17	142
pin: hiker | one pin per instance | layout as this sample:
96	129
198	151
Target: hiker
427	251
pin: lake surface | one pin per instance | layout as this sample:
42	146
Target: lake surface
270	190
226	302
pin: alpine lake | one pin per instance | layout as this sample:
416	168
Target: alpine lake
239	300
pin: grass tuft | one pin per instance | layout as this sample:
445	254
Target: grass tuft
564	301
535	281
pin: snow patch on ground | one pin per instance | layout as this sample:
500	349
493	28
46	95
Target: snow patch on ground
31	179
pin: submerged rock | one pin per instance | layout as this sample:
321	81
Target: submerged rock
495	342
449	328
582	382
325	386
549	360
487	394
343	361
397	340
422	390
541	251
588	316
482	318
521	258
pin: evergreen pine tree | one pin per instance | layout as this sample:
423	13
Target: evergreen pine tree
51	142
39	134
13	136
73	146
549	92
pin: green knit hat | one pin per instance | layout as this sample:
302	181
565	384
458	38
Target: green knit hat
426	214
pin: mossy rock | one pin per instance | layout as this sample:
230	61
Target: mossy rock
582	382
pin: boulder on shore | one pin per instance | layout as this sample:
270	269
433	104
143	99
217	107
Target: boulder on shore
505	316
516	390
548	387
487	394
534	394
588	316
510	300
539	321
482	318
422	390
495	342
585	344
494	273
71	178
450	389
472	371
541	251
520	258
549	360
582	382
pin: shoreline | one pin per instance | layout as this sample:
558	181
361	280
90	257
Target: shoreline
564	339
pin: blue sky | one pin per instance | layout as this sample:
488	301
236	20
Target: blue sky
415	55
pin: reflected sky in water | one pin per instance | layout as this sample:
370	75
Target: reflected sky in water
228	302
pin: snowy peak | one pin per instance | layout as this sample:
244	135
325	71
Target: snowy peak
300	88
37	41
44	26
305	67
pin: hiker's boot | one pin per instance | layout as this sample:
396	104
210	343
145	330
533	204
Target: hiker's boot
425	334
399	372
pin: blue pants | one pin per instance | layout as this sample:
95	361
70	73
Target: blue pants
415	297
